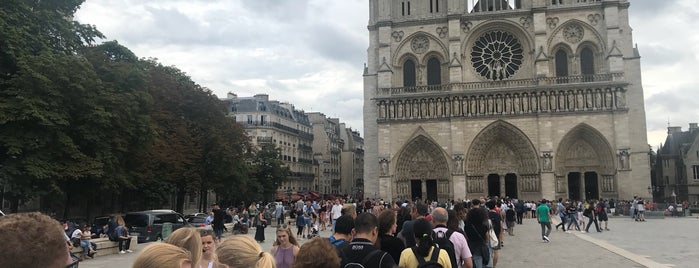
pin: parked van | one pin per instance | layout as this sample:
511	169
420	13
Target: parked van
148	225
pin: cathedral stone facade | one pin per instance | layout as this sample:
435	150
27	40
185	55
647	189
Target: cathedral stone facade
528	99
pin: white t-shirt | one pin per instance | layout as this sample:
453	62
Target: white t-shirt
76	234
336	211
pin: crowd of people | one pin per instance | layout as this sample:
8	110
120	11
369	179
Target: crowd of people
374	233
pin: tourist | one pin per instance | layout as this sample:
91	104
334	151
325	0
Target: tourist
425	249
476	229
208	247
317	253
362	249
285	247
218	223
589	212
261	224
602	215
163	255
387	240
123	239
23	233
418	211
243	251
440	219
571	210
189	239
335	213
496	224
544	219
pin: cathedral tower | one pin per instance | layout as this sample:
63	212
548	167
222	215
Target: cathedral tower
528	99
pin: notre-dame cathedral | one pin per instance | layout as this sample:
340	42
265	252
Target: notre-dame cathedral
528	99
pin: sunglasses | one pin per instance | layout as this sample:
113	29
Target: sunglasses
282	227
73	264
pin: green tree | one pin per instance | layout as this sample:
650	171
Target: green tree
269	172
40	76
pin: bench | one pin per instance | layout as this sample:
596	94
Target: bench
105	247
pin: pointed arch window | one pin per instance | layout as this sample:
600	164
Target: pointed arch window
561	63
409	73
587	64
434	72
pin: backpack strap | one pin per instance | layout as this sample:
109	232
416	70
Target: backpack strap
420	260
417	256
449	233
435	255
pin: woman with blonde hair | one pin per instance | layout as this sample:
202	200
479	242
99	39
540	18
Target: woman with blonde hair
189	239
163	255
317	253
285	247
243	251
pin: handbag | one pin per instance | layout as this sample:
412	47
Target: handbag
494	242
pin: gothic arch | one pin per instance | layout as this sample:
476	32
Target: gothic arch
593	36
501	148
582	149
421	159
404	47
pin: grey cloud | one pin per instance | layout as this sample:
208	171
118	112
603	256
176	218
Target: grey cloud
336	44
679	107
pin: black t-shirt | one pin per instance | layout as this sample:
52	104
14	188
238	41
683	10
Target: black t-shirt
495	219
392	245
360	248
219	216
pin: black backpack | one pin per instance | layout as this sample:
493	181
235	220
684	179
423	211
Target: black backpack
364	262
432	263
442	240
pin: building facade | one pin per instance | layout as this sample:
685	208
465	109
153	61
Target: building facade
528	99
327	148
676	166
269	121
352	162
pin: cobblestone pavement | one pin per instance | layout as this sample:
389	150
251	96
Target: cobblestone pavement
670	242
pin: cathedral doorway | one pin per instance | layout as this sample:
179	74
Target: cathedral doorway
574	186
591	186
493	185
415	189
511	185
584	156
502	148
422	171
431	186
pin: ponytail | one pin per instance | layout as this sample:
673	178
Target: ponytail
424	244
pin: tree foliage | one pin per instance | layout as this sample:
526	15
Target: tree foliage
95	124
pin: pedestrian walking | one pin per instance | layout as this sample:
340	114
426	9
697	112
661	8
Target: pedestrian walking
544	220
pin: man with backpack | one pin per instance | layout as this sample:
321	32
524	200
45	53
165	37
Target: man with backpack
361	252
453	242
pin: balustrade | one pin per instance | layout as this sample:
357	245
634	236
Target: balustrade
514	103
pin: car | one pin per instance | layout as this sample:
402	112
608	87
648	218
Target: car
197	221
148	225
198	214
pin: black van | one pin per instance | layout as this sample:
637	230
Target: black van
148	225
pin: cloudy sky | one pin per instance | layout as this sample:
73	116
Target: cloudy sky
311	52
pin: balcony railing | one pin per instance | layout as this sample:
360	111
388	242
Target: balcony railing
264	139
515	83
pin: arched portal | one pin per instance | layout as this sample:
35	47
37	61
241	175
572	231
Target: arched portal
585	165
422	172
502	156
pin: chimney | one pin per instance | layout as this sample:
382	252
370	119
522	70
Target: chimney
672	130
232	95
693	127
264	97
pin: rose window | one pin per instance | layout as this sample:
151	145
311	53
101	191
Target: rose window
497	55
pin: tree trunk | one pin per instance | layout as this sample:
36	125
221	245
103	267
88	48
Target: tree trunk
179	207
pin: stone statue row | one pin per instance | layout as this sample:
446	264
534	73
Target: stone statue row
599	99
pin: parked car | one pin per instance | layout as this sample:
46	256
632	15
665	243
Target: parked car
198	214
148	225
197	221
